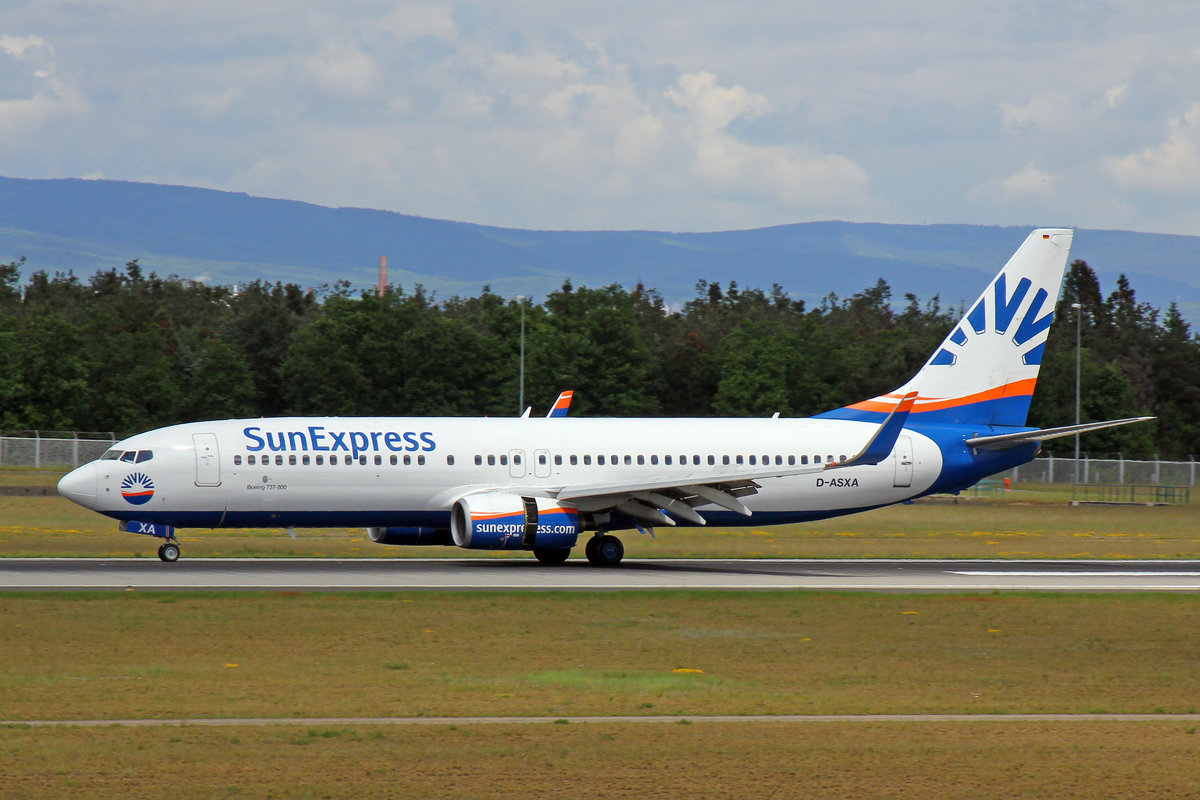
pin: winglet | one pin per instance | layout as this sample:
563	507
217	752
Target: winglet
562	405
881	444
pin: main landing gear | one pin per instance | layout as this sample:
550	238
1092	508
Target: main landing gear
604	550
169	551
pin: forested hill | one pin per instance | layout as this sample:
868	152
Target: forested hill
230	238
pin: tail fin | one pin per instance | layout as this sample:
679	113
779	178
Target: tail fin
985	371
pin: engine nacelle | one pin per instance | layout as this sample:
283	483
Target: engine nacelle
496	521
410	536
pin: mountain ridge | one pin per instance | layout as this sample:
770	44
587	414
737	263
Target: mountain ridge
232	237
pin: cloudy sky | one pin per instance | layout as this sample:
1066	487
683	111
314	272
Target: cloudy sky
648	114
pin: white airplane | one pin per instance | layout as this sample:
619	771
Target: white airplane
540	483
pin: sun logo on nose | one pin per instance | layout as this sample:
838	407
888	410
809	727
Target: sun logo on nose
137	488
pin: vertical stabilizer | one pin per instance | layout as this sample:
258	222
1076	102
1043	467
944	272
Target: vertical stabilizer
985	371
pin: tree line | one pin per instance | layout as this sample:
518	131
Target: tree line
127	351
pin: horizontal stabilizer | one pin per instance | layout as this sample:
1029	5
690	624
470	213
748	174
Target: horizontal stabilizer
1004	441
881	444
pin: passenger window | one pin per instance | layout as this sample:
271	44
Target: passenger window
587	460
392	461
712	460
816	459
628	460
408	460
250	460
304	459
724	459
558	461
753	461
843	458
279	461
420	461
450	461
654	460
778	461
491	461
600	460
144	455
542	458
828	459
378	461
320	461
574	461
129	456
237	461
503	460
803	459
347	460
479	461
791	461
614	461
291	461
516	458
667	460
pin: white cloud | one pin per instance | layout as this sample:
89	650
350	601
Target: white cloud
31	93
342	70
1172	166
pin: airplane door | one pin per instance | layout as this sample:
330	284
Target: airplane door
516	463
208	464
541	463
903	454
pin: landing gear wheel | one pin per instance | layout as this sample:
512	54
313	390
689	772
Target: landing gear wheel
556	556
605	551
169	552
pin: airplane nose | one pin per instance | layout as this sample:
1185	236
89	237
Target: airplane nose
79	485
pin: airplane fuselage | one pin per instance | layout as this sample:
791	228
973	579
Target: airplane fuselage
386	471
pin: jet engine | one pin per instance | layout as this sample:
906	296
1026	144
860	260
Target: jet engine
497	521
410	536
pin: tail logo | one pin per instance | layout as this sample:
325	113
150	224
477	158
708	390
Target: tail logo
1004	307
137	488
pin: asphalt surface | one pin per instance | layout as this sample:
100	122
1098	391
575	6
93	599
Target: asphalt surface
505	574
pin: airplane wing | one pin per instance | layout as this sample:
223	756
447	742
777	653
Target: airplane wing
651	501
1004	441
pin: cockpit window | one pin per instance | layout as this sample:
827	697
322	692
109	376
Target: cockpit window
110	455
129	456
144	455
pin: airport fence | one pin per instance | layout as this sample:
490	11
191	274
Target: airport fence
57	449
1116	470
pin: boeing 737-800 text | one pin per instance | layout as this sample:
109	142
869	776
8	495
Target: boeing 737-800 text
539	484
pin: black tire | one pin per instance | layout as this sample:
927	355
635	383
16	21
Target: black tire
169	552
555	556
589	549
605	551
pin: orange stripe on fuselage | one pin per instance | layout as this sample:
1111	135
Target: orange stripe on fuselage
1015	389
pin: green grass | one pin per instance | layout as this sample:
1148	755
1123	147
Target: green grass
151	655
735	761
1018	525
560	655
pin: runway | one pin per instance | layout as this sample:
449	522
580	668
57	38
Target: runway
524	574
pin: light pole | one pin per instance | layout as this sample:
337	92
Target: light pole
521	380
1078	339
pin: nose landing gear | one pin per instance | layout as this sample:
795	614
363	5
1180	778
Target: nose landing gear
169	550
